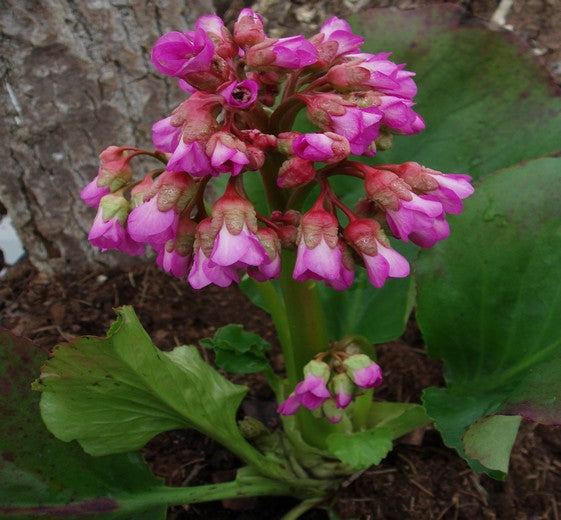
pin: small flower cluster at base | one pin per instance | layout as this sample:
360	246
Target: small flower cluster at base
357	102
328	388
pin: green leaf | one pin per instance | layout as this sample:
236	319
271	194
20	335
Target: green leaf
488	301
40	475
361	450
399	418
487	102
114	394
237	351
491	439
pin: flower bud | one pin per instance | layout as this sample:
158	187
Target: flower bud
317	369
343	389
259	139
332	411
409	216
385	188
450	188
114	172
287	223
248	29
285	142
220	36
331	112
295	172
363	371
348	76
256	158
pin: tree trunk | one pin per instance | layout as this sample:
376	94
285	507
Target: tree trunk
76	77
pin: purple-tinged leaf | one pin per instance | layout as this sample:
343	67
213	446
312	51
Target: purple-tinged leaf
488	305
42	476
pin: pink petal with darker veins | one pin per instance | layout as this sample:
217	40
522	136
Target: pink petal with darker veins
322	260
230	249
146	223
290	406
202	274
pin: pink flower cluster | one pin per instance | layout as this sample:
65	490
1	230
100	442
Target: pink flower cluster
327	389
226	127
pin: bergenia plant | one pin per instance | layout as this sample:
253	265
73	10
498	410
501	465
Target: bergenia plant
271	174
246	91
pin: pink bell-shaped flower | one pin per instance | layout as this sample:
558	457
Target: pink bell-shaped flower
294	52
448	188
326	147
114	172
319	256
236	242
156	219
339	31
204	272
406	212
332	113
271	267
380	260
180	53
227	153
109	227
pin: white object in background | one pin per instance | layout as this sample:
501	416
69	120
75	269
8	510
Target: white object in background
10	243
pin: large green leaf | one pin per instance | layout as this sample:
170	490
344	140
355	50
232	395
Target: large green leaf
40	475
487	105
114	394
488	302
486	100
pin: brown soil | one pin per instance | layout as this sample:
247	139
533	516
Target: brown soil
420	479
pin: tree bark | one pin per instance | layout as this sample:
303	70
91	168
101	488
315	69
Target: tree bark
76	77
